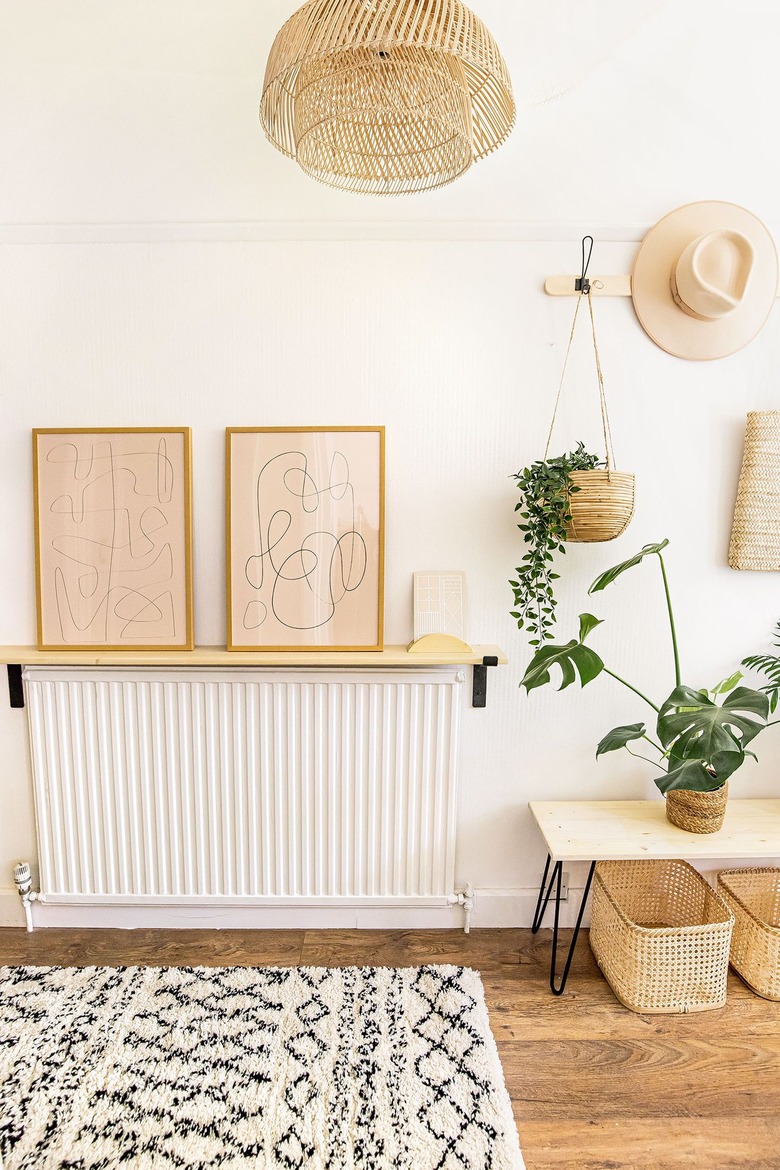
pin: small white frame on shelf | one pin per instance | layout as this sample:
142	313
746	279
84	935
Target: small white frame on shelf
440	605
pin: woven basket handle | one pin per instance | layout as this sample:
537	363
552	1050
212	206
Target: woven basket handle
605	422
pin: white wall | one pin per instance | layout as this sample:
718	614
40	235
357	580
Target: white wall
161	264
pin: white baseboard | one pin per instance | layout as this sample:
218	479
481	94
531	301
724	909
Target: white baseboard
11	912
508	908
496	908
492	908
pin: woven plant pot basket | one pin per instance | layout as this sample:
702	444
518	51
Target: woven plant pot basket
753	895
755	536
661	936
697	812
603	506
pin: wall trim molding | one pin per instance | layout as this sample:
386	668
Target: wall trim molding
303	231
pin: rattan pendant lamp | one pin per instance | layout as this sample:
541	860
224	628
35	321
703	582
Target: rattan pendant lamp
386	97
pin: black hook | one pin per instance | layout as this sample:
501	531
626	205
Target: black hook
583	284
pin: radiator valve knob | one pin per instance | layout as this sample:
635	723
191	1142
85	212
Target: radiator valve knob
23	878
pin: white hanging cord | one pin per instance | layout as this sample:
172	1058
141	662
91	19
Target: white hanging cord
605	422
561	43
563	376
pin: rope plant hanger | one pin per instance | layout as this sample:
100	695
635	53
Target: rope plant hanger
601	503
386	97
566	498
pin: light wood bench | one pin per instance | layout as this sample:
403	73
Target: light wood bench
629	830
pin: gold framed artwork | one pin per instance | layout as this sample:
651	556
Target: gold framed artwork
305	538
113	538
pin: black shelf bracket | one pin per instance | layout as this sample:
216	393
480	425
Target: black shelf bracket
479	693
15	685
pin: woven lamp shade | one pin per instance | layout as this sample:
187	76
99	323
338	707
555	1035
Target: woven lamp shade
755	537
386	97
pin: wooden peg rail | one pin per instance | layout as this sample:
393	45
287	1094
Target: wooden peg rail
480	658
601	286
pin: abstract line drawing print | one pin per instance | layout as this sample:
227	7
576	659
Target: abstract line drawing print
112	540
305	538
311	569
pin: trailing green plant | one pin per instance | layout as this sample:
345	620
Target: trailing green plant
769	665
545	494
701	737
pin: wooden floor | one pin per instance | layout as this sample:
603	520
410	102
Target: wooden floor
594	1086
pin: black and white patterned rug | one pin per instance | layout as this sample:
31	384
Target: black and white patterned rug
310	1068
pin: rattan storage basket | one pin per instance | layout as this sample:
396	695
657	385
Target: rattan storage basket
603	506
754	897
660	935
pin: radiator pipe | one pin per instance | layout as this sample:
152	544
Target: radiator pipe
23	882
464	898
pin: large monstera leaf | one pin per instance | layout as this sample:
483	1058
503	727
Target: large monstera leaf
612	574
574	659
698	776
692	727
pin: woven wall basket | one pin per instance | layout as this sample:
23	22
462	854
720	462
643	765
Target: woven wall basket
755	537
603	507
661	936
697	812
753	896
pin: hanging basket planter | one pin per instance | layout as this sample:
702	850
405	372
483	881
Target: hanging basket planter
569	497
602	507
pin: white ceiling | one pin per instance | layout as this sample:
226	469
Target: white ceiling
146	111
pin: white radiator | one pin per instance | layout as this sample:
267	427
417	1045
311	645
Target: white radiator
260	787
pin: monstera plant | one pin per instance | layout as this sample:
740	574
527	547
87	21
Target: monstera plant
699	738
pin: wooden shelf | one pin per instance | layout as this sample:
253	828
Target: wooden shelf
218	656
478	657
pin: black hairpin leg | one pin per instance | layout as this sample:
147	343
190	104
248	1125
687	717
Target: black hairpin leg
541	906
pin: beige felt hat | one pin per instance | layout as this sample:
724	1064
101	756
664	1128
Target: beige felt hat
705	280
